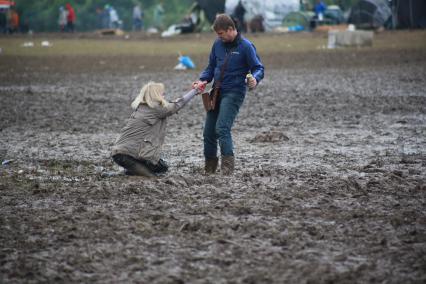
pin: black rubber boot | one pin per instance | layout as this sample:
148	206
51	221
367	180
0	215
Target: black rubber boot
132	166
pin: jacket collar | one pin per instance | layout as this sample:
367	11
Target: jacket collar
233	44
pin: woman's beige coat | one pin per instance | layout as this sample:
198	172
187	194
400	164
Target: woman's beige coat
143	135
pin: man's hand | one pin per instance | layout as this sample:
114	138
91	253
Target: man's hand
199	85
251	81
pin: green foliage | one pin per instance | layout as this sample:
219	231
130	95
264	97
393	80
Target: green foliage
42	15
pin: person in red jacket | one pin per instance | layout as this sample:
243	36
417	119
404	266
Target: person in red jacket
70	18
14	21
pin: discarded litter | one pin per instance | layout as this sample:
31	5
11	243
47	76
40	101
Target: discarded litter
296	28
46	43
171	31
185	62
107	32
152	30
6	162
28	44
180	66
110	174
331	39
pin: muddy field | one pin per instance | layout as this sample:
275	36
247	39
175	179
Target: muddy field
330	182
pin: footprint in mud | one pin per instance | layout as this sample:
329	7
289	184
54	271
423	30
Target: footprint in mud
108	174
269	136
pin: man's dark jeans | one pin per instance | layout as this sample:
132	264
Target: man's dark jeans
219	123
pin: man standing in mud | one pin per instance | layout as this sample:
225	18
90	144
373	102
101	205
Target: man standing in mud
233	64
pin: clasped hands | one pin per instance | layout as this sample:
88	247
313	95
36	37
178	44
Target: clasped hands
201	85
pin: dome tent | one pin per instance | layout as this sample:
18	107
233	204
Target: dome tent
211	8
370	13
410	13
334	14
299	18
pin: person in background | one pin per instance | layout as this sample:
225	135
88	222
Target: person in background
13	21
105	17
319	10
71	17
3	21
238	14
137	18
62	19
232	58
114	19
99	11
158	16
138	147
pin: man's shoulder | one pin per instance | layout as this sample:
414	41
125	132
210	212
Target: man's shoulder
246	42
217	42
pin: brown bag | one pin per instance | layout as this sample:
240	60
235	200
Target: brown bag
210	99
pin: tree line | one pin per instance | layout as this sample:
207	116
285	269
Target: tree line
42	15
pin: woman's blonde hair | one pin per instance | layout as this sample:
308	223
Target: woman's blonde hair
151	95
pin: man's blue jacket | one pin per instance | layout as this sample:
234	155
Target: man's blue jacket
242	60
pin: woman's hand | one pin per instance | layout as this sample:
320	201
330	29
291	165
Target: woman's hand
200	86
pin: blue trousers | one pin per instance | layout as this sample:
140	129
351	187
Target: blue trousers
219	123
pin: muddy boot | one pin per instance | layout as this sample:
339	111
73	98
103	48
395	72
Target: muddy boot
227	165
132	166
211	165
141	170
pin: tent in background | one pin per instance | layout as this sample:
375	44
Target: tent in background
299	18
6	4
409	13
370	14
272	11
334	15
211	8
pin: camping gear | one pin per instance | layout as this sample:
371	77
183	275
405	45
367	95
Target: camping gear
409	14
212	8
298	18
6	4
349	38
370	14
334	15
272	11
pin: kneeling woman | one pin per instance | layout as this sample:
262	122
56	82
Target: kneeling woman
138	148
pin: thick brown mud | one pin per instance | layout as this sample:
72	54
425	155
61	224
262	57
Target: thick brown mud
329	185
